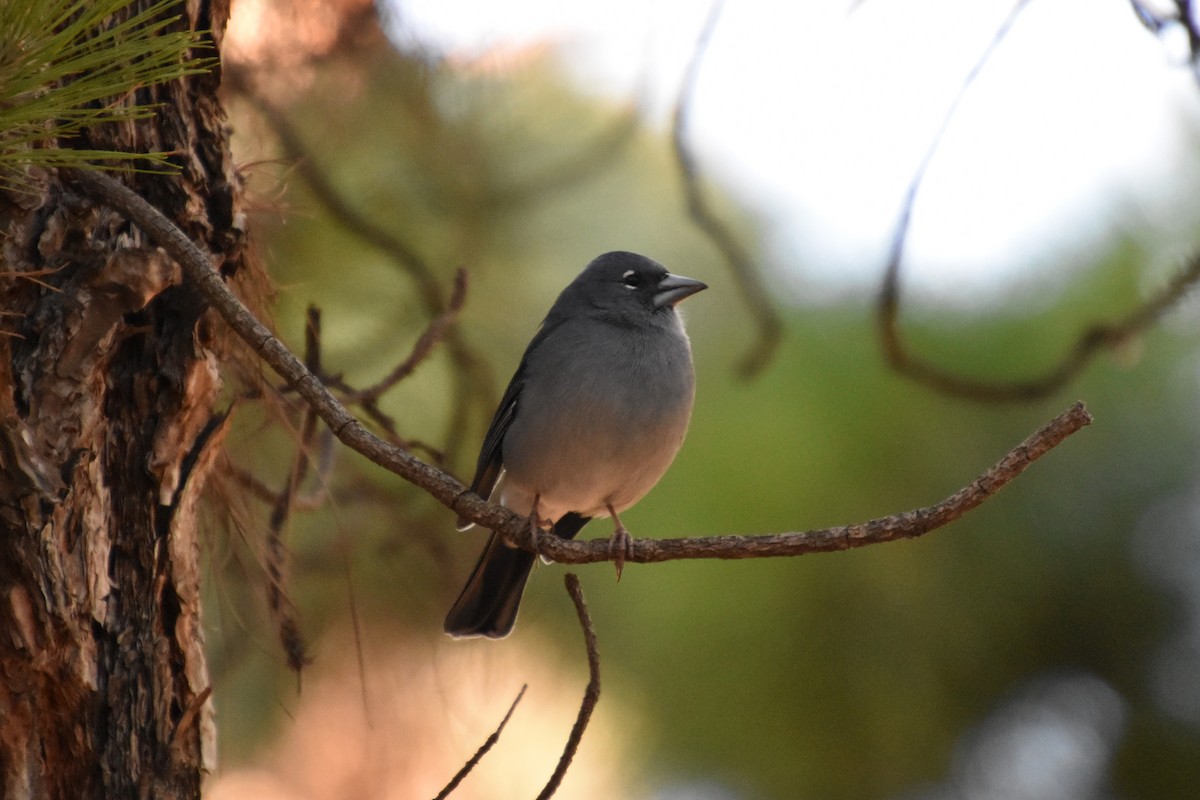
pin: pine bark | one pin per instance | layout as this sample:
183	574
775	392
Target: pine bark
108	386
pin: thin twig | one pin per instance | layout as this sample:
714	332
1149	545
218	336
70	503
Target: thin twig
888	309
282	610
1093	340
189	717
249	481
749	281
591	695
265	494
482	751
197	268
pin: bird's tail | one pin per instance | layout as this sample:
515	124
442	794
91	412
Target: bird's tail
487	605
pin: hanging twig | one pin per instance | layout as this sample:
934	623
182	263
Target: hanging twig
287	627
1098	337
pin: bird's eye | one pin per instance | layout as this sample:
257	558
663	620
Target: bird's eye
631	280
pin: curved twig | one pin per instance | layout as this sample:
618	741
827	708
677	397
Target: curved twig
591	694
454	495
749	282
1091	341
888	309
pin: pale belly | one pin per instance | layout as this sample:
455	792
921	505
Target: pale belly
597	430
587	479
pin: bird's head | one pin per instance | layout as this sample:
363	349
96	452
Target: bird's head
628	286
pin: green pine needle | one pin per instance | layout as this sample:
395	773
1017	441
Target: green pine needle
66	66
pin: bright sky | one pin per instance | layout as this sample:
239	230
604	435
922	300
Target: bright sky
818	116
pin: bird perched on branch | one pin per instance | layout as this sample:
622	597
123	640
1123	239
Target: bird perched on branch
591	420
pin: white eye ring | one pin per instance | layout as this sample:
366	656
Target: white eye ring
630	284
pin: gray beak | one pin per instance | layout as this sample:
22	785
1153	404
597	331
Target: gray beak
673	288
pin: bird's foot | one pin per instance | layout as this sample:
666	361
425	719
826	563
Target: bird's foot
620	544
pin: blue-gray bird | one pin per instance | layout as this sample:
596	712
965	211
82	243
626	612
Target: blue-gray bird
591	420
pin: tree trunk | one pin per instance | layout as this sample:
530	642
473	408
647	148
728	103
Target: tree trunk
108	383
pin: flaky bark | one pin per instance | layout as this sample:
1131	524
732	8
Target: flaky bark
108	383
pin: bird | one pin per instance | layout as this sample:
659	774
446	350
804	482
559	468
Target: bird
592	418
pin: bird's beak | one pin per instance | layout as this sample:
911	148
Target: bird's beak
673	288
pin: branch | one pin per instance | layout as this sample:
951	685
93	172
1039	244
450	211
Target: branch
749	282
368	399
591	695
1091	341
888	310
906	525
488	744
198	270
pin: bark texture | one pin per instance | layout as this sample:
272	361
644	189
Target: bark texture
108	385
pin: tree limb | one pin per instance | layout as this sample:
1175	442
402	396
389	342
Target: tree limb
447	490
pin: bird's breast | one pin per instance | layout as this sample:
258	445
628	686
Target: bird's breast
600	419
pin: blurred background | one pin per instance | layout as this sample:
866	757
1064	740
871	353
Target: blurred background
1047	645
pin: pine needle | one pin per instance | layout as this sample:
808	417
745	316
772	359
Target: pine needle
68	65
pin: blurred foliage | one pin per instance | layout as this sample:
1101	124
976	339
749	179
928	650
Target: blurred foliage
840	676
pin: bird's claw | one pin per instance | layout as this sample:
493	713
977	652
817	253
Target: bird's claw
620	546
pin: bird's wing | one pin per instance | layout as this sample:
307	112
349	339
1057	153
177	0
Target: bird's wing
491	455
